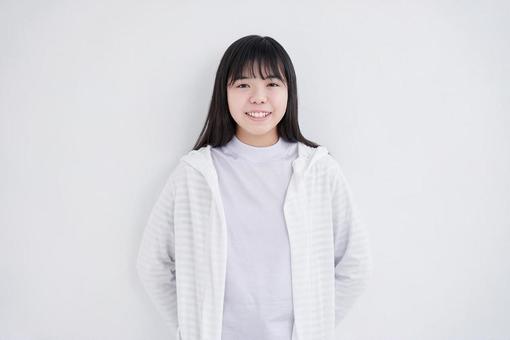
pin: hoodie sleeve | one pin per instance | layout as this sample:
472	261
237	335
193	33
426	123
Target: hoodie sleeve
156	257
353	261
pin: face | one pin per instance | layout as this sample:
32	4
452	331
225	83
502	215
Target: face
259	97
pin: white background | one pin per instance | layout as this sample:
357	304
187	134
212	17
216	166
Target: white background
99	99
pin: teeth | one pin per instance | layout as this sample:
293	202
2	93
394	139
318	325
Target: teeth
257	114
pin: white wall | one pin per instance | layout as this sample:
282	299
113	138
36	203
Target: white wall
98	99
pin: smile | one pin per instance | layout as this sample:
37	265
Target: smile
258	116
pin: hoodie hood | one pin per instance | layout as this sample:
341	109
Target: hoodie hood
201	159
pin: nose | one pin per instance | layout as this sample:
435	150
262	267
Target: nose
258	97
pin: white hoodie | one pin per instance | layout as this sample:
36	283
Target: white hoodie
182	257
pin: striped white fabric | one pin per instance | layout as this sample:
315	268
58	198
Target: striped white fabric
182	257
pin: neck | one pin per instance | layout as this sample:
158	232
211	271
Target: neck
267	139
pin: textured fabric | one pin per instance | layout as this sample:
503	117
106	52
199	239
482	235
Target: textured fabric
183	253
258	287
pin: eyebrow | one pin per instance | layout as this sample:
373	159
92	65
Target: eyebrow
270	76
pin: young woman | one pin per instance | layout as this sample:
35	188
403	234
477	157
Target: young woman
255	234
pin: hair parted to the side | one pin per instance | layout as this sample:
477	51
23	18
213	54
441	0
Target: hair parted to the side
220	127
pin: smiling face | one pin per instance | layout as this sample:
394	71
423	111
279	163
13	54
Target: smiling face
265	99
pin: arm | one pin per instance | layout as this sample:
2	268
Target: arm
353	261
156	257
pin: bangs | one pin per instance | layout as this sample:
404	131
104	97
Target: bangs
265	56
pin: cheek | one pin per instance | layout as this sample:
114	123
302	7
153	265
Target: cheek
231	101
234	100
282	99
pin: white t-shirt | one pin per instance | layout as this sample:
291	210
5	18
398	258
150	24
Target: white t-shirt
258	289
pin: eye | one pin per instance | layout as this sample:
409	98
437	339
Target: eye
270	84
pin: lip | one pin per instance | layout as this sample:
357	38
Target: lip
265	111
258	119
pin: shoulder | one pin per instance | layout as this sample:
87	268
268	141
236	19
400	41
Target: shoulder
330	162
327	162
331	167
180	169
339	180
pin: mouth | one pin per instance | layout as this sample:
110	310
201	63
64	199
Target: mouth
258	116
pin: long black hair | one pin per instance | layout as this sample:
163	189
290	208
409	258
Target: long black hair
219	126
